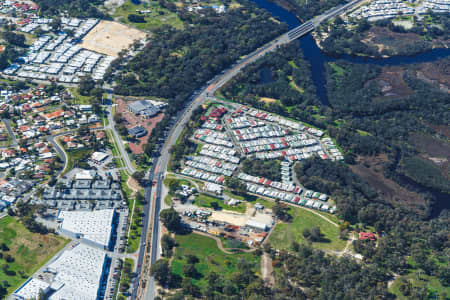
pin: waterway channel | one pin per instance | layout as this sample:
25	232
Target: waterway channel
318	59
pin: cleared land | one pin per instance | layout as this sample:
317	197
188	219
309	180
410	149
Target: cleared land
111	37
268	100
212	202
211	258
29	250
285	233
132	120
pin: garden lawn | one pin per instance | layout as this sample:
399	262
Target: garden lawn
29	250
157	17
206	201
284	233
210	257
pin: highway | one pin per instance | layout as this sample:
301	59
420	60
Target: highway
160	163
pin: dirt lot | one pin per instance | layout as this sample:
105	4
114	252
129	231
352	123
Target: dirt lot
392	83
111	37
231	218
133	120
267	100
390	190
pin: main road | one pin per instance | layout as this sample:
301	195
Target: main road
160	166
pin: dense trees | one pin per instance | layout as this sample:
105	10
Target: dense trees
171	219
308	9
160	270
388	122
281	211
184	146
176	62
329	277
344	39
75	8
167	244
290	82
425	173
15	42
16	39
87	85
349	191
136	18
236	185
257	167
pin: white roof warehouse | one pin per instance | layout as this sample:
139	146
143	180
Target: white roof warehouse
95	226
78	273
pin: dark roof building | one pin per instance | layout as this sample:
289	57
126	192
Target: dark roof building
137	131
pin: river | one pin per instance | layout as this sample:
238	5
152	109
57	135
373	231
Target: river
318	59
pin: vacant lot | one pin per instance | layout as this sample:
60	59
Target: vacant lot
29	250
210	257
131	120
76	156
111	37
286	233
212	202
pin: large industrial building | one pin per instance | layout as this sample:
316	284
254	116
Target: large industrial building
76	274
94	226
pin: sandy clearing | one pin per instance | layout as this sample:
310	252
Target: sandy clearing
109	38
231	218
267	100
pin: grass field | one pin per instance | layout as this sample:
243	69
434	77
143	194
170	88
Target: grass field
210	257
251	199
30	250
155	19
76	155
135	223
430	282
284	234
206	201
77	98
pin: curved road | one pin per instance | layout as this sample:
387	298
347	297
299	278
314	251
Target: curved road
157	172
